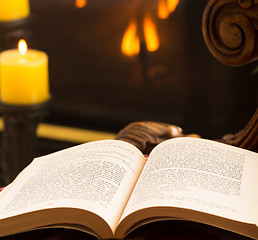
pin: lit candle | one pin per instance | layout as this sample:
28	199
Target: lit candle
11	10
23	76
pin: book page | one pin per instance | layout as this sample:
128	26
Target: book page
97	176
201	175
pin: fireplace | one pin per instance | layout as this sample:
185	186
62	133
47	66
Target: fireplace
106	71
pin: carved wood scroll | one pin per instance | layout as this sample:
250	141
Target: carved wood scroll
147	134
246	138
230	30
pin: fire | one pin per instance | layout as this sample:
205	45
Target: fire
80	3
172	4
150	34
130	42
165	7
22	46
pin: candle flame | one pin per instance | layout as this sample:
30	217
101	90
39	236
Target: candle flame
22	46
165	7
80	3
150	34
130	42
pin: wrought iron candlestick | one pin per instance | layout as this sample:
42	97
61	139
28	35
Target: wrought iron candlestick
19	136
12	31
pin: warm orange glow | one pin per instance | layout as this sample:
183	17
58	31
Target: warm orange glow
163	11
172	4
80	3
22	46
150	34
165	7
130	42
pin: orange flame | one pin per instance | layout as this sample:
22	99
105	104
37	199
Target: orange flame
150	34
172	4
22	46
130	42
80	3
165	7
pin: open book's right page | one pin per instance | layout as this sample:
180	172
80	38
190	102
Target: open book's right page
201	175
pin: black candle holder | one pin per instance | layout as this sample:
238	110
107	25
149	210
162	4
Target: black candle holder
19	136
12	31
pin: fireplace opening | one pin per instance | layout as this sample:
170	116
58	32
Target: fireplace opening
114	62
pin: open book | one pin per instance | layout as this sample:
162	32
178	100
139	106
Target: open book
107	188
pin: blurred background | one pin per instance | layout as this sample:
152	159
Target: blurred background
114	62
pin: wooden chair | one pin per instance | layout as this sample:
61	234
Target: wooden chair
230	31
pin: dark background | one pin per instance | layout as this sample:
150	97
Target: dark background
94	85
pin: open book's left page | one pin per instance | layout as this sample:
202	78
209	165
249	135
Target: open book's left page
97	176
